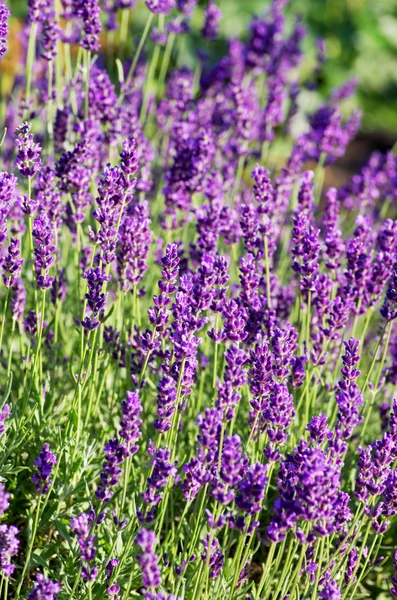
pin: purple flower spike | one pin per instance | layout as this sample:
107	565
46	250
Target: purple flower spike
81	527
216	559
330	591
148	559
9	545
12	264
28	159
115	453
160	7
393	590
131	422
44	589
4	14
44	465
4	500
211	24
251	490
4	413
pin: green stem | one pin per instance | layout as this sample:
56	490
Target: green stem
266	569
87	65
29	63
136	58
3	320
30	549
367	531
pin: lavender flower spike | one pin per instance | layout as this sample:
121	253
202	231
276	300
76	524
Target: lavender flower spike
4	14
44	589
44	464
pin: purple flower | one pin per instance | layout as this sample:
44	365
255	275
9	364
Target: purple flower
8	184
9	545
59	287
234	378
162	470
233	466
160	7
330	591
28	160
134	239
37	10
389	308
393	590
148	559
44	253
129	157
212	17
44	589
187	174
89	11
4	14
213	555
30	324
82	529
334	245
12	263
348	395
251	489
4	413
115	454
308	484
276	418
4	498
51	33
130	424
44	464
96	298
166	403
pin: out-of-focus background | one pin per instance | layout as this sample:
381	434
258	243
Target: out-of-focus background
361	41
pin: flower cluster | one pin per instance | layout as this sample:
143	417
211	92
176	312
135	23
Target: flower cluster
199	328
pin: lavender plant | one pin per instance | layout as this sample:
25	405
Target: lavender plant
198	352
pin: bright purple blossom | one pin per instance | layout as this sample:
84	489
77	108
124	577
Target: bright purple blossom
82	528
9	545
44	464
28	160
4	14
211	24
148	559
44	589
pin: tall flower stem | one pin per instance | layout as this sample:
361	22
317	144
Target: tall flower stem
29	63
136	58
30	548
3	318
87	65
166	59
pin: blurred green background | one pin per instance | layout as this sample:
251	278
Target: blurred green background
361	41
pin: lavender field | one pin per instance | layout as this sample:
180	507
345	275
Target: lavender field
198	350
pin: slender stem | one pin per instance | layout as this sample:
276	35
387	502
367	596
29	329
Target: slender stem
29	62
30	548
166	58
136	58
352	578
3	319
87	64
266	569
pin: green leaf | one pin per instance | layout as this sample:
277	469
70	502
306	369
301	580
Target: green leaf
8	387
37	560
120	70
